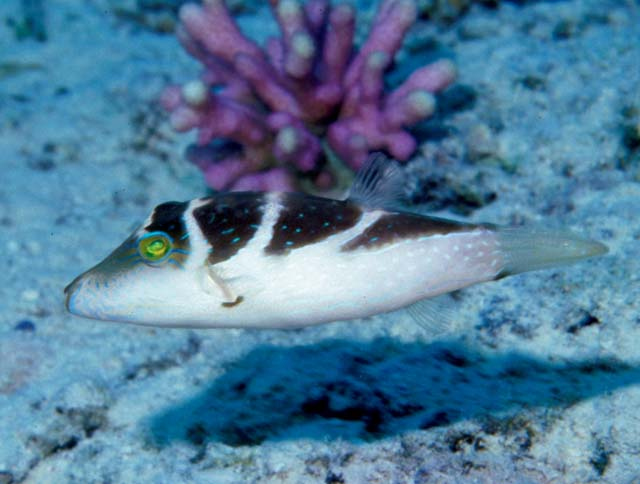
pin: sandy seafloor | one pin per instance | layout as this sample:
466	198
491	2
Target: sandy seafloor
539	381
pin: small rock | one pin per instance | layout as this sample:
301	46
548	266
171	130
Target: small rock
33	248
30	295
83	394
481	142
25	325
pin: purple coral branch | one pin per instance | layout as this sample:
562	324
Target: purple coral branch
194	106
213	27
307	86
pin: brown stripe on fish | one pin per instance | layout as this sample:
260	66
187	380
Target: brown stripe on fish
229	222
169	218
305	220
394	227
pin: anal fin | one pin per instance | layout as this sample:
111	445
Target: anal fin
435	315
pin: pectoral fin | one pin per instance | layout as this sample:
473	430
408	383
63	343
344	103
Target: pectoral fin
216	286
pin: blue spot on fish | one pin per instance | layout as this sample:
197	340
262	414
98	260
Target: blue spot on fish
235	240
288	243
228	231
298	230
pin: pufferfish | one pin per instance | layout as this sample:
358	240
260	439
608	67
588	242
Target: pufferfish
289	260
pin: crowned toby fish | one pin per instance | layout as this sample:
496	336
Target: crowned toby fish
287	260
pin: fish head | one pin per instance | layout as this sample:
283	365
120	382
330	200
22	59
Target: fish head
149	279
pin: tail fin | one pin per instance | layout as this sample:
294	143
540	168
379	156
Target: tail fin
532	249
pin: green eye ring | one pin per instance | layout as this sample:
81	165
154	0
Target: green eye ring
155	247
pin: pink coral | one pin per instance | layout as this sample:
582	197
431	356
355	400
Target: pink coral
305	94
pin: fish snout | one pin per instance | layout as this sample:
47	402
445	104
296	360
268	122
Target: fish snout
70	292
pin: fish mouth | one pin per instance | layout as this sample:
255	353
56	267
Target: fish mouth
88	296
69	292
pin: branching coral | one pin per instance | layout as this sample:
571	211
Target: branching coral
306	94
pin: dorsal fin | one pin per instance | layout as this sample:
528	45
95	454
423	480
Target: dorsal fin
379	183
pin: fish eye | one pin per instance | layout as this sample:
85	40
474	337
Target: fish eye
155	247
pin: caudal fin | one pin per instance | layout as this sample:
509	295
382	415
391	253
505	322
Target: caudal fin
532	249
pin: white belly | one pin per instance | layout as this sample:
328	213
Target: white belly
321	283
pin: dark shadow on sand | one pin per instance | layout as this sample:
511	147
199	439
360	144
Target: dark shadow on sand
352	390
